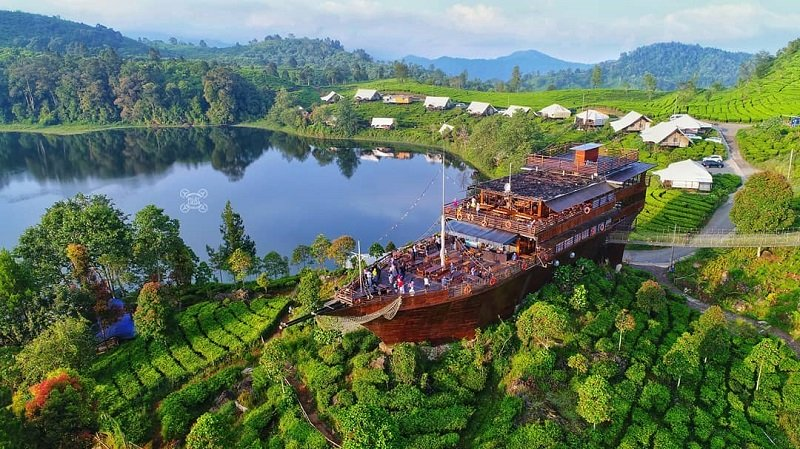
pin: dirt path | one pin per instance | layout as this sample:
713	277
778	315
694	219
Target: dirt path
661	276
309	409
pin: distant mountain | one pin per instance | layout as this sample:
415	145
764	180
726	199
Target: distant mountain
497	68
43	33
671	63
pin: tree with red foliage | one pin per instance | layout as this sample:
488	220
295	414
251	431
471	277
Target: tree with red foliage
61	411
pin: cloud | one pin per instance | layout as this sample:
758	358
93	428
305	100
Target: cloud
586	31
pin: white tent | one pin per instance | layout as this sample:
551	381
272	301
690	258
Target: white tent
665	134
332	97
555	111
591	117
445	128
513	109
437	103
686	174
367	95
632	121
382	123
689	124
480	108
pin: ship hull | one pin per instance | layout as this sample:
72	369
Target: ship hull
439	319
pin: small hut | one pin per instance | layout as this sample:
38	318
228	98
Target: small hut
666	134
367	95
631	122
590	118
438	103
382	123
332	97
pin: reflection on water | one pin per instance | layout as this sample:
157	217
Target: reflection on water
287	188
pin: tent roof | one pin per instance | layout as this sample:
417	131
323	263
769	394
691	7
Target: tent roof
513	109
365	93
553	108
627	120
330	96
437	102
591	114
478	107
479	233
687	170
686	121
445	127
657	133
382	121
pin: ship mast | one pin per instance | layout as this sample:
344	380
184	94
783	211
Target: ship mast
441	238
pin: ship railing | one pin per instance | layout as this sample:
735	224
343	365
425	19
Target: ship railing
561	164
499	275
528	228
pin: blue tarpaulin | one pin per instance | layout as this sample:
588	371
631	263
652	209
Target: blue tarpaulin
480	234
122	328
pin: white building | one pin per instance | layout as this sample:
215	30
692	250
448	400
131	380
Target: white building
686	174
437	103
367	95
382	123
631	122
479	108
555	111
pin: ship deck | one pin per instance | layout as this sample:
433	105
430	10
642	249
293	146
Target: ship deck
464	266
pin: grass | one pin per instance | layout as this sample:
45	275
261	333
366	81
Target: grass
764	288
768	146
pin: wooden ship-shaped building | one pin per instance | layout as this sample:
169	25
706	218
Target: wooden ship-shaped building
500	243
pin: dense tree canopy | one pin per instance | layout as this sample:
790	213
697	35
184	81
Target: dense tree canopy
67	344
764	204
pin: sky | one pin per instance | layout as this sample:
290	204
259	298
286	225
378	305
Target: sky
575	30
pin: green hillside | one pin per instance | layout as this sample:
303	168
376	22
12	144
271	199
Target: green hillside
43	33
777	93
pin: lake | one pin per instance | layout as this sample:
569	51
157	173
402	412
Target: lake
288	189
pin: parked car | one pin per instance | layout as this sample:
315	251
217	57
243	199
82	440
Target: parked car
712	163
714	139
715	157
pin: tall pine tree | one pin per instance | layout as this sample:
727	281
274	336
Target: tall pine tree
233	238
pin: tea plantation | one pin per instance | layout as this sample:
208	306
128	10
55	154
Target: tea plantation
667	208
207	334
563	373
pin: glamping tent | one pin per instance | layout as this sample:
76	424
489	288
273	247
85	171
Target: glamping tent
686	174
555	111
631	122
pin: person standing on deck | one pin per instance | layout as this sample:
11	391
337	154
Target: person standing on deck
400	286
426	283
376	276
411	287
368	275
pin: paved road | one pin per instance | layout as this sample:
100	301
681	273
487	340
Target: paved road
657	261
721	217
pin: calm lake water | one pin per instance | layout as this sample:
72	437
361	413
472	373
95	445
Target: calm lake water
287	189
